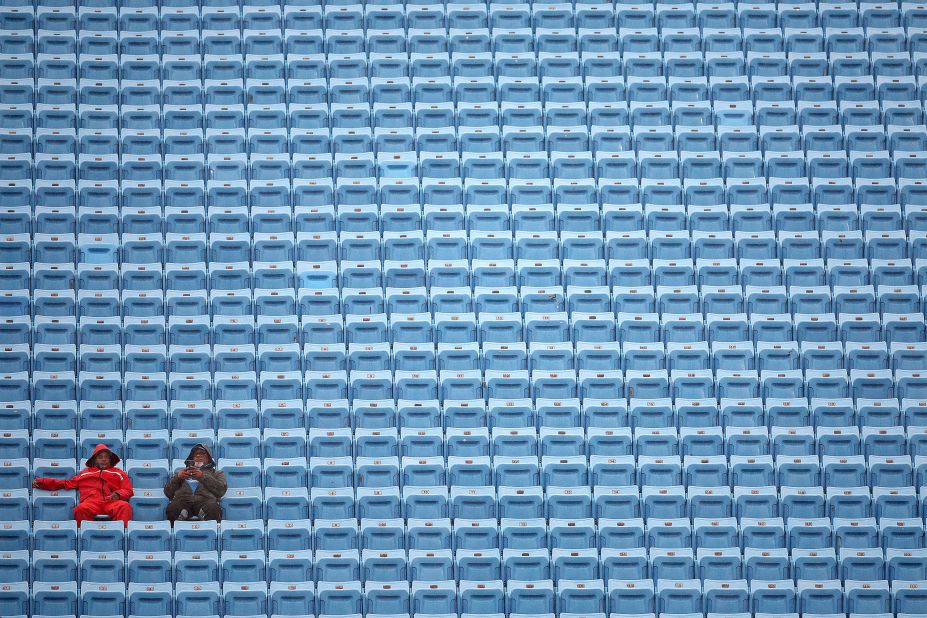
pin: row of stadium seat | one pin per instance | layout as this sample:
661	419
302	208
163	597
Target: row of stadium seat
560	74
554	14
476	509
529	173
800	54
816	358
641	62
568	467
763	553
892	500
187	335
860	98
487	203
744	414
160	567
748	217
680	323
392	565
315	278
53	310
829	439
568	152
140	102
355	126
856	509
571	248
142	146
483	185
246	508
571	599
682	60
347	15
457	385
677	30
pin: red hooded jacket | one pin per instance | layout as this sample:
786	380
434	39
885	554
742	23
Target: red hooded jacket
94	483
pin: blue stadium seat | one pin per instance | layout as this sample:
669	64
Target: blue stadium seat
197	598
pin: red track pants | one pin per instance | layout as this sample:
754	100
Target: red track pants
116	509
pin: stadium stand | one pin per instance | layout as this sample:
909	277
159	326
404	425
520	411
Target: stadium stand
507	308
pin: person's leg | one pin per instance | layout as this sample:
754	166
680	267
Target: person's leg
87	510
179	509
206	509
121	510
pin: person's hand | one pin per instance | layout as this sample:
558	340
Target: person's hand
35	483
113	497
182	473
195	473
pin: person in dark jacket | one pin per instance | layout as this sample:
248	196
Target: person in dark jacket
195	490
103	489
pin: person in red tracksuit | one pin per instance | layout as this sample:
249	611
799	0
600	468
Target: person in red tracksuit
104	489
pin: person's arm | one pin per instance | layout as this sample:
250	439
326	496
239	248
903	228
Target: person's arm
124	491
214	482
173	484
50	484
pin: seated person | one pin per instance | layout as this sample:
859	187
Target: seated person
103	488
195	491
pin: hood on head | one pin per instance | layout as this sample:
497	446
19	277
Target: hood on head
99	448
189	460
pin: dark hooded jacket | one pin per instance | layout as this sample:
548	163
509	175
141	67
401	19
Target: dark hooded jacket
94	483
211	485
